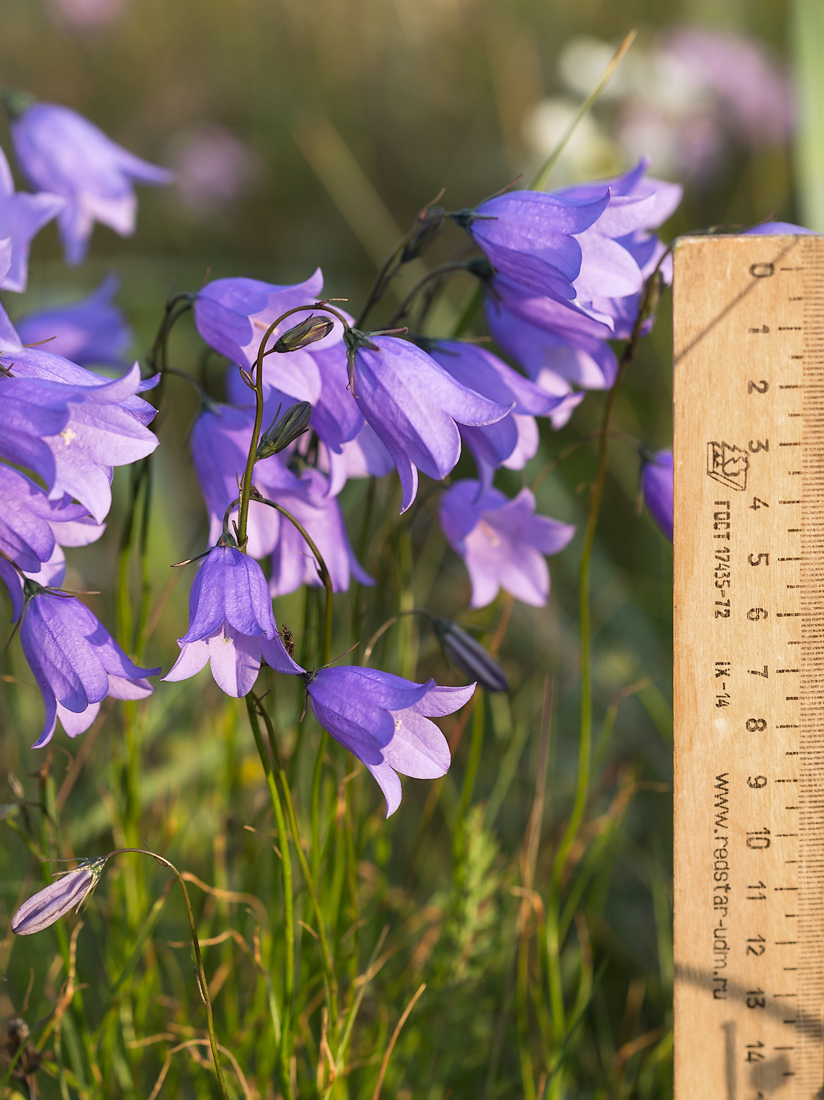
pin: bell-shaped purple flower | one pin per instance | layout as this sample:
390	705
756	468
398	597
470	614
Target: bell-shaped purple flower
657	485
776	228
530	237
69	891
91	331
502	541
512	441
75	661
231	624
21	217
384	720
232	315
414	407
555	342
619	251
30	523
308	500
104	426
63	153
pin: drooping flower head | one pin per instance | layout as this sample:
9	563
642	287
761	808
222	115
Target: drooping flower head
231	624
54	901
384	720
63	153
21	217
657	485
502	541
414	406
102	425
74	659
530	237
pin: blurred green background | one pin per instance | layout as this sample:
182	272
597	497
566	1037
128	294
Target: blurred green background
309	134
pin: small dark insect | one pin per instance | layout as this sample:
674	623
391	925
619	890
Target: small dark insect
288	640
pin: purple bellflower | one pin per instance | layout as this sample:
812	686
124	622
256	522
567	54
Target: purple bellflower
776	228
384	721
529	237
555	342
232	315
231	624
69	891
74	659
319	513
502	541
21	216
657	485
91	331
64	154
103	424
510	442
32	526
414	407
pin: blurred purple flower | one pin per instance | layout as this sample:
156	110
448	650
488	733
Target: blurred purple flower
701	92
777	228
384	721
749	86
63	153
57	899
104	428
88	14
231	624
21	216
91	331
502	541
414	407
529	237
213	167
75	661
657	483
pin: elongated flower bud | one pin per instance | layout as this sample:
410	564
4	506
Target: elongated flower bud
311	330
278	436
469	655
53	902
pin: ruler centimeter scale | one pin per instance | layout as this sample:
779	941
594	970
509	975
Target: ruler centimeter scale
749	668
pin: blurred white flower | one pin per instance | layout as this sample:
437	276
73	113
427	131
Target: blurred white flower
589	153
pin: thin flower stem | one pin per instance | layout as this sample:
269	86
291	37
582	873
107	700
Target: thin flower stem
585	729
257	370
471	774
326	579
546	168
203	985
255	709
326	954
435	273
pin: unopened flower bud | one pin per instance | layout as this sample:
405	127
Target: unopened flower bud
424	236
53	902
469	655
311	330
293	423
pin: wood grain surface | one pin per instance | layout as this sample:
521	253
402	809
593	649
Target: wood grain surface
749	667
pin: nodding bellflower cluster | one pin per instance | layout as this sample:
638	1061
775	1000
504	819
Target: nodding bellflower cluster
311	399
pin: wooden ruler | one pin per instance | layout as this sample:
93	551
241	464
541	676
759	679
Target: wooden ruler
749	668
